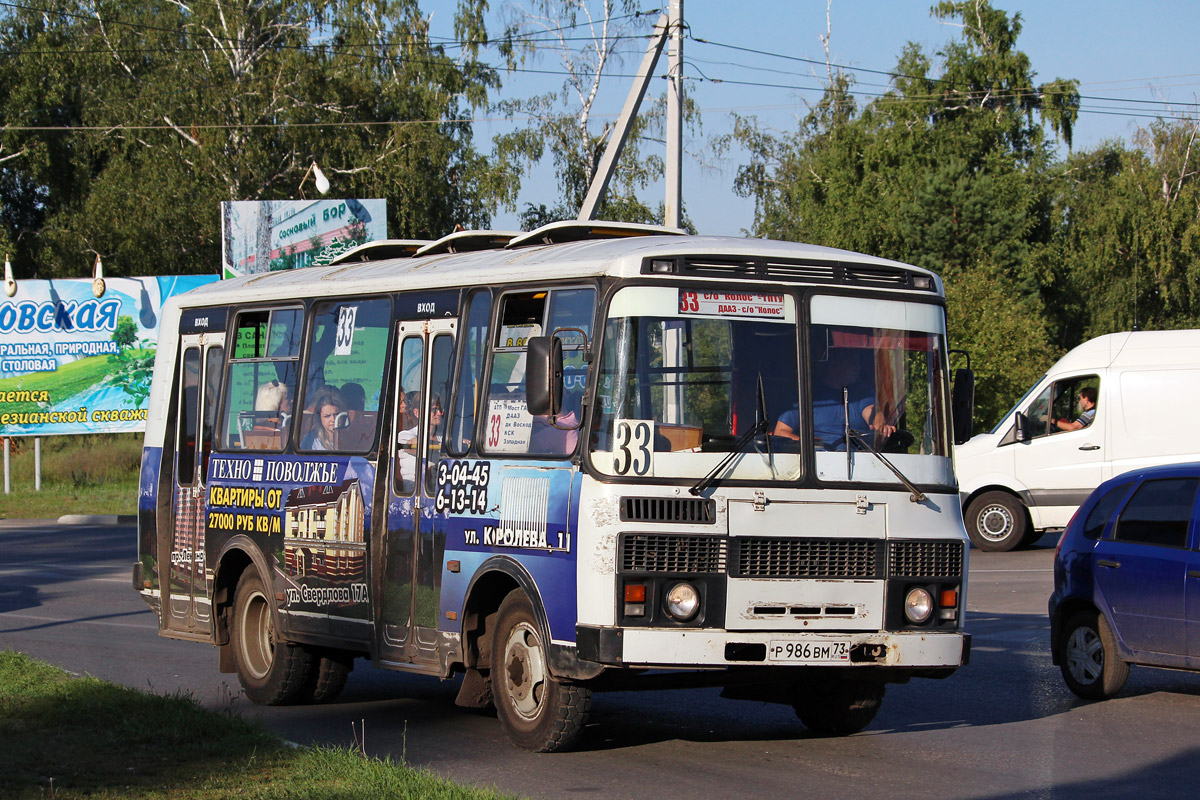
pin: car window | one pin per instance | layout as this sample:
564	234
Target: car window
1159	513
1093	526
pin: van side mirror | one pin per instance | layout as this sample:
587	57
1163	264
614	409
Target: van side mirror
544	375
962	405
1024	433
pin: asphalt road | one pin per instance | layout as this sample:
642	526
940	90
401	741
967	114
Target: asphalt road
1005	726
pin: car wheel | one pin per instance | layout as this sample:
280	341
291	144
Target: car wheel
838	707
1088	657
538	711
271	671
996	521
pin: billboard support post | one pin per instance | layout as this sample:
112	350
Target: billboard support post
7	476
37	463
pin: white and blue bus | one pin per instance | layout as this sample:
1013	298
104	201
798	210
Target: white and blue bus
591	456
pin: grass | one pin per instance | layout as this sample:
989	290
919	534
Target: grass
80	475
68	737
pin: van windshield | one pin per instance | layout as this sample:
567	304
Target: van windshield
1019	404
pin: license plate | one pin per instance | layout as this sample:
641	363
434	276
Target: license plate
809	651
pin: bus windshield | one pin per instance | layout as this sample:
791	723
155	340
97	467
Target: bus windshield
688	376
878	371
685	374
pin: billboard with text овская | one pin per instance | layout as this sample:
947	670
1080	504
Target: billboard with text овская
71	362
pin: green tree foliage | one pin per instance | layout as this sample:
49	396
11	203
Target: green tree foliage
1127	235
127	122
945	171
562	121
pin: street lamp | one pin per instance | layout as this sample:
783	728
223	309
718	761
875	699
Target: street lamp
318	178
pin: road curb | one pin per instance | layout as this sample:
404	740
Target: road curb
97	519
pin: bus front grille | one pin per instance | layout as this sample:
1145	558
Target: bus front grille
669	509
915	559
665	552
768	557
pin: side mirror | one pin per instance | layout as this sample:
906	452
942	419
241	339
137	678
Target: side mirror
1024	434
544	375
962	405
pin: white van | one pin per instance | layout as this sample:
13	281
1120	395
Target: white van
1034	469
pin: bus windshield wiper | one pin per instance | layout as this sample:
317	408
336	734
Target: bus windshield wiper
759	426
852	435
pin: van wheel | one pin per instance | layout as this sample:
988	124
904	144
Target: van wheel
538	711
996	522
1088	657
271	671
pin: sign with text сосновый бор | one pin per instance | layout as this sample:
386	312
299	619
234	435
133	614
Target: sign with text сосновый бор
72	363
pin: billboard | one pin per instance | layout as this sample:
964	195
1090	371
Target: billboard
71	362
285	234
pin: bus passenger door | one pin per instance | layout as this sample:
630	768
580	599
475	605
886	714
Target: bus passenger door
186	605
414	541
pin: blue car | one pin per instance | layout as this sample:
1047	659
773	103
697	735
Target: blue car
1127	580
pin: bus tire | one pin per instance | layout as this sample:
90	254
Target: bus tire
996	522
272	672
838	707
327	677
537	711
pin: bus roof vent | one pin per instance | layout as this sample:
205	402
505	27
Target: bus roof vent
468	241
380	251
799	270
573	230
880	276
817	271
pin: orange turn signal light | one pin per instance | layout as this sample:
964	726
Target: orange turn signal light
949	598
635	593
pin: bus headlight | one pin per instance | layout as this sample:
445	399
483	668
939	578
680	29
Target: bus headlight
683	601
918	605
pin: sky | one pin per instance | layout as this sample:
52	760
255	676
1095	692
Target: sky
1133	62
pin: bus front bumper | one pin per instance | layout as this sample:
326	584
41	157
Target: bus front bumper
662	647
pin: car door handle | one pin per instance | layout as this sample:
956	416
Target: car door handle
1104	562
1090	447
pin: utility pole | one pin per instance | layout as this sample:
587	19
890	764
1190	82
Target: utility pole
616	142
674	199
667	31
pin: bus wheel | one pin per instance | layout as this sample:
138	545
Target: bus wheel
838	707
995	522
538	711
327	677
271	671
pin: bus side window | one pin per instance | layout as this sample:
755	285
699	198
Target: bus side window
347	354
410	379
262	379
214	361
509	426
461	425
441	362
189	404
